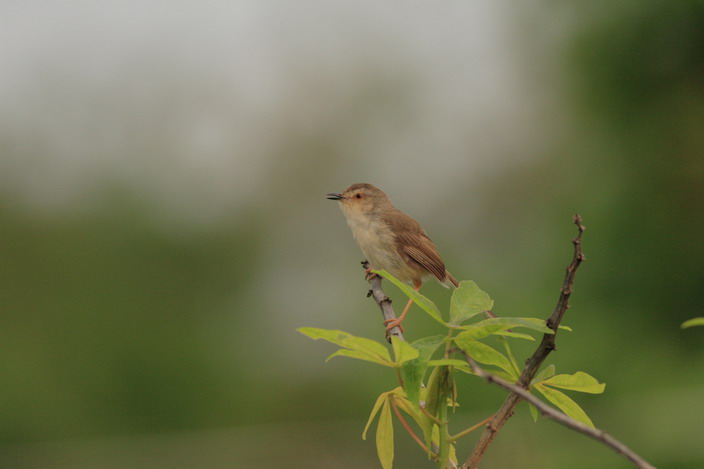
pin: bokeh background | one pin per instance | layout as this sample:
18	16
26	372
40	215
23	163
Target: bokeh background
163	167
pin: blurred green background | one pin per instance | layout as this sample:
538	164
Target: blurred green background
163	167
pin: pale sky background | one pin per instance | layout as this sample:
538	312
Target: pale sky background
84	82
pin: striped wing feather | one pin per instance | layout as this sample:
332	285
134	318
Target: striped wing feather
430	260
412	241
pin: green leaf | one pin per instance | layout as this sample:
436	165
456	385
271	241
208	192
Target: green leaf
403	403
426	346
440	387
493	325
453	454
459	364
385	437
403	351
467	301
371	350
485	354
422	301
515	335
547	372
377	405
510	356
435	437
533	412
566	404
343	352
511	378
580	381
432	394
413	371
692	322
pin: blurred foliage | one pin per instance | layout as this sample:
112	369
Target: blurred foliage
104	317
639	73
630	162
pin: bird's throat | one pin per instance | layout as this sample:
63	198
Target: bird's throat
376	240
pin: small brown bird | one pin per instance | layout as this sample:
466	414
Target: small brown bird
391	240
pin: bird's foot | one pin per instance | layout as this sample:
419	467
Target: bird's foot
391	323
369	275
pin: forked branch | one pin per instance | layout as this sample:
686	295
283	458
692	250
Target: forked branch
553	414
533	364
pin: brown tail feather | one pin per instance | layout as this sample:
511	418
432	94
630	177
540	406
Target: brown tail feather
452	279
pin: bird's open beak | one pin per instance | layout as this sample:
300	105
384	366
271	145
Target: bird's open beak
335	196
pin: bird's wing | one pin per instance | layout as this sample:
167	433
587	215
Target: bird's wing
412	241
423	252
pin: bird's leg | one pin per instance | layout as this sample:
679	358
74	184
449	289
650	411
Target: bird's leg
368	274
391	323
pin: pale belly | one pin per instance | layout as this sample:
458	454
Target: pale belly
378	246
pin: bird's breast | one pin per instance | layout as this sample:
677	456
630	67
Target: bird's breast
378	243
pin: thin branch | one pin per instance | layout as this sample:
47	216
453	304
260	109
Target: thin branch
559	417
467	431
384	303
533	364
410	430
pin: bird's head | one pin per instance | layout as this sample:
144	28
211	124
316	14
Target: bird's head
361	198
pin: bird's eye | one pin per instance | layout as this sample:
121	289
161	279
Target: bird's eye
358	195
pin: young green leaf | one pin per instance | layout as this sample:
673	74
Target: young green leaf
692	322
344	352
377	405
404	404
440	387
503	375
467	301
515	335
385	437
453	455
422	301
566	404
546	373
459	364
510	356
580	381
493	325
372	350
413	371
403	351
435	439
434	393
485	354
533	412
315	333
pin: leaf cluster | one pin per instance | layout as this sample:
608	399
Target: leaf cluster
425	402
